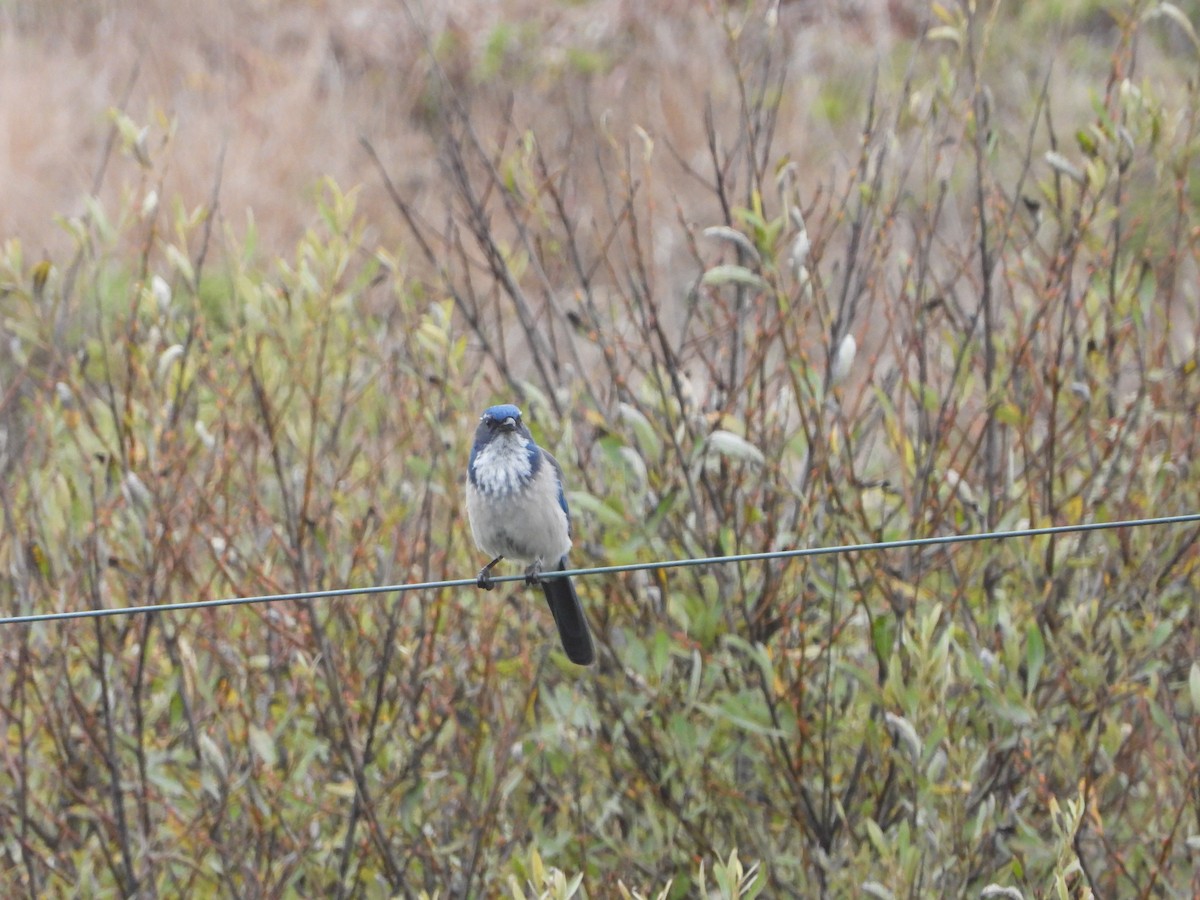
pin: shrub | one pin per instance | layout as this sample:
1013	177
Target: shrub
984	319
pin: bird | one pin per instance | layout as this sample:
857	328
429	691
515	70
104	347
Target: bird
517	511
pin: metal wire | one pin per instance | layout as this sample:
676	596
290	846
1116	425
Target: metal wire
607	570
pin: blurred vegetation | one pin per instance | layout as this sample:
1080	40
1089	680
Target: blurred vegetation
983	317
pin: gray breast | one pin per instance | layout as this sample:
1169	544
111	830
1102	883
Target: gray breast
521	525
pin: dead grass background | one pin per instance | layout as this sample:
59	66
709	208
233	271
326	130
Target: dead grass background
1004	713
288	88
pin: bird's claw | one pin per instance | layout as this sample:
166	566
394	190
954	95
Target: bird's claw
533	575
484	581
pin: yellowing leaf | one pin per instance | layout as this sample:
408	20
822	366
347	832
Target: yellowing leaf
343	789
1008	414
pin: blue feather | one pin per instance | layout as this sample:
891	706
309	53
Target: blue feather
503	411
562	501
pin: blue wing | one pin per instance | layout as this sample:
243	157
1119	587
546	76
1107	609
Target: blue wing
562	498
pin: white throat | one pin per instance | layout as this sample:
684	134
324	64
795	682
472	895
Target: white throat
504	465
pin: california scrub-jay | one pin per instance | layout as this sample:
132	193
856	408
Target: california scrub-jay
517	510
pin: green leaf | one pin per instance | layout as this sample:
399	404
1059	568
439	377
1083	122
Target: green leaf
875	835
731	274
735	237
583	501
737	711
734	446
263	745
1087	141
182	264
1178	16
1035	655
883	636
643	431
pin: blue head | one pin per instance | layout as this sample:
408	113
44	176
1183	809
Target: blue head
504	456
501	413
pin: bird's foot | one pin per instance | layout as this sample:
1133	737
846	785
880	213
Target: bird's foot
533	575
484	581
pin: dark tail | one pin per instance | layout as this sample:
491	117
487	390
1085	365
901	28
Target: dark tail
568	616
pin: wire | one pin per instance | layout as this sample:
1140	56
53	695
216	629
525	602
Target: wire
607	570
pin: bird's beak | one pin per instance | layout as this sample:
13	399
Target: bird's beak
509	424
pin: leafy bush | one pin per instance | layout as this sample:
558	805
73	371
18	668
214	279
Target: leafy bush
985	319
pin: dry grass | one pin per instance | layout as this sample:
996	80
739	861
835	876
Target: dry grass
287	89
294	417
